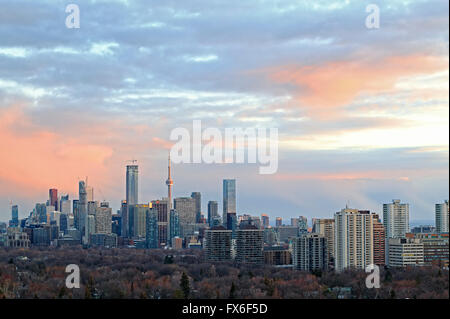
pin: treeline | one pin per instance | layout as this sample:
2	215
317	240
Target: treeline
160	274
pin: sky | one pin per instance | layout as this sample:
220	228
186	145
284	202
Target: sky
362	114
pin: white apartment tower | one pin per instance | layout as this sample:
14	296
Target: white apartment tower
396	219
353	239
442	214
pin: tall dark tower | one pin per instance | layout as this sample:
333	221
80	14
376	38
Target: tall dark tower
169	183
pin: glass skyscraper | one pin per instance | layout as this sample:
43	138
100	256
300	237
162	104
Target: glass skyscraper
229	198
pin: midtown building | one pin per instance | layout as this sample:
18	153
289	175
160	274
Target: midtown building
103	219
396	219
187	209
198	206
435	248
132	196
379	242
265	220
213	212
174	227
405	252
286	233
151	234
162	207
442	216
229	199
53	198
137	214
325	227
249	245
310	252
353	239
278	221
217	244
14	216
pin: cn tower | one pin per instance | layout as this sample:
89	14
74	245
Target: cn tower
169	183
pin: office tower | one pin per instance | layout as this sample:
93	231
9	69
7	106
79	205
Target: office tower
151	225
198	206
186	208
103	218
92	207
294	222
278	221
64	223
174	227
169	183
271	236
41	213
442	216
302	225
310	252
213	212
353	239
249	220
405	252
124	218
217	245
249	245
53	197
82	207
162	207
265	220
89	193
89	229
64	204
379	242
116	224
396	219
75	212
325	227
132	185
14	216
137	214
229	198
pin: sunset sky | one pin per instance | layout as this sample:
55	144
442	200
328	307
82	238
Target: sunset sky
362	114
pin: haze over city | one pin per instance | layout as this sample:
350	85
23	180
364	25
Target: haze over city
362	114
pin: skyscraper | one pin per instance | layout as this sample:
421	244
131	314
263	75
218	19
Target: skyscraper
442	217
14	216
186	208
379	242
198	206
137	220
265	220
53	197
174	227
132	184
162	208
325	227
353	239
213	212
278	221
396	219
229	198
151	229
169	183
64	204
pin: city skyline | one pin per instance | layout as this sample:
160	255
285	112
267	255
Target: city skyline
362	114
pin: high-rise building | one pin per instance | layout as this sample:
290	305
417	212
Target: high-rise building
396	219
162	207
379	242
325	227
232	224
103	220
278	221
82	207
249	245
137	220
213	212
152	237
53	197
442	216
64	204
132	185
124	218
435	248
14	216
217	244
302	224
186	208
229	198
174	227
41	213
286	233
265	220
198	206
310	252
405	252
353	239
